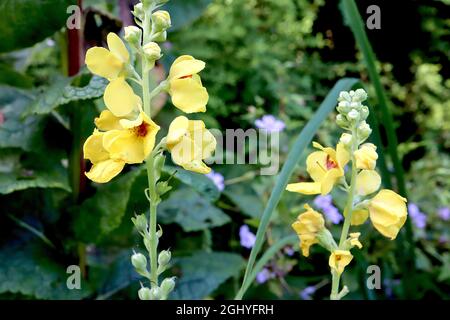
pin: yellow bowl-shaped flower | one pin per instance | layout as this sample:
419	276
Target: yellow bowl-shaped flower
189	142
325	167
185	86
339	259
110	63
387	211
307	225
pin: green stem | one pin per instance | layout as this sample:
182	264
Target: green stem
347	214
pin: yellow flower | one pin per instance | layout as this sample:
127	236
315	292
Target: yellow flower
120	99
307	225
388	212
354	239
325	167
108	63
190	142
339	259
366	156
125	141
359	217
185	86
367	182
103	167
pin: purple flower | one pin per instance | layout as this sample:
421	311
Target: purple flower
443	239
418	218
218	179
270	123
331	212
264	275
289	251
247	237
444	213
306	293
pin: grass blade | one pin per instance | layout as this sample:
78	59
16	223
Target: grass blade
303	140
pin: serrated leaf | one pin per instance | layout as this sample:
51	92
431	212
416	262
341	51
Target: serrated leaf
199	182
204	272
16	132
184	12
61	92
102	213
27	22
30	270
191	211
246	198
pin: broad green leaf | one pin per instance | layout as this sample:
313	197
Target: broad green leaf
197	181
30	269
61	92
26	22
184	12
22	171
99	215
191	211
246	198
16	132
203	272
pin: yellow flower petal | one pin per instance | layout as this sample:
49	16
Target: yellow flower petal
107	121
177	129
93	148
123	144
304	187
359	217
188	95
102	62
316	164
120	98
307	225
104	171
342	155
117	47
367	182
196	166
185	66
329	180
339	259
366	156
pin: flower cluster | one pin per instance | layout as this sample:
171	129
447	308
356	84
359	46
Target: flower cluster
327	169
126	134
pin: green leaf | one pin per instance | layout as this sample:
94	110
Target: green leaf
191	211
16	132
11	77
103	213
199	182
203	272
32	271
61	92
302	141
184	12
246	198
27	22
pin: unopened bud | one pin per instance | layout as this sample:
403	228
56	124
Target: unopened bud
160	36
139	11
140	222
164	257
346	139
364	112
159	165
353	115
167	286
341	121
139	261
133	35
144	293
344	96
152	51
360	95
161	20
364	130
156	293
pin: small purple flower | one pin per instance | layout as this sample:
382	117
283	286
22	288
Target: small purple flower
418	218
247	237
444	213
332	214
218	179
306	293
264	275
443	239
270	123
289	251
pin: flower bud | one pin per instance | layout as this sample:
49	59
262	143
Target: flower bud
366	156
160	36
159	165
133	35
387	211
360	95
364	130
140	222
152	51
139	11
344	96
364	112
343	107
156	293
139	261
144	293
147	244
167	286
161	20
164	257
341	121
346	139
353	115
